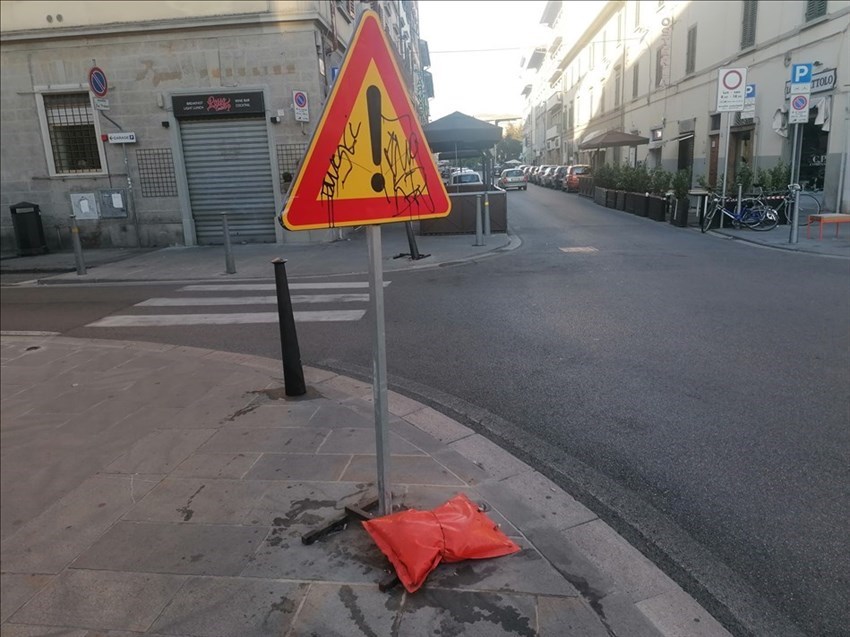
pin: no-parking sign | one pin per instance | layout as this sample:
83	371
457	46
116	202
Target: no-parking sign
300	106
731	90
799	111
97	82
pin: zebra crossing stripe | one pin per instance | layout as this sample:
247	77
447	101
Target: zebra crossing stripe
251	300
259	287
170	320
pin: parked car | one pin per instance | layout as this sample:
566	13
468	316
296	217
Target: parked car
465	177
540	175
569	182
546	179
513	178
556	177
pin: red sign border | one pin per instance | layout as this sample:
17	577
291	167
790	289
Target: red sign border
92	71
368	44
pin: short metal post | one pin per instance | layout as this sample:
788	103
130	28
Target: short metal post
293	373
795	216
479	239
78	248
228	251
411	241
486	216
740	191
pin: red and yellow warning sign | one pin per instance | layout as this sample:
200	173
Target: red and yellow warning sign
368	161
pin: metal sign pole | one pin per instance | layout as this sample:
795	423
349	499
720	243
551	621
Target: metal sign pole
379	368
795	178
725	162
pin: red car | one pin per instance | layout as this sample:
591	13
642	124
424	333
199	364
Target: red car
570	179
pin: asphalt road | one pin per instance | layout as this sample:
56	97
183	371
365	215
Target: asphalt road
685	387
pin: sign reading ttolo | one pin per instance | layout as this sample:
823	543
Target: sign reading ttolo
368	161
368	164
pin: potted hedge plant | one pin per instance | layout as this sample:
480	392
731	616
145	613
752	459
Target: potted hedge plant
680	186
656	202
602	181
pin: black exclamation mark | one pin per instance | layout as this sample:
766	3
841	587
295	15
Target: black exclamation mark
373	104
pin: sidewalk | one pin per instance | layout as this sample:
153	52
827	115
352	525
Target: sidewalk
164	490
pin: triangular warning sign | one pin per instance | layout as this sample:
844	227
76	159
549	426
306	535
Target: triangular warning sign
368	161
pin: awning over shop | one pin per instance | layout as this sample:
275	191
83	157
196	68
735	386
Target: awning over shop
610	139
459	132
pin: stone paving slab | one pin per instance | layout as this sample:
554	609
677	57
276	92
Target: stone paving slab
214	606
299	466
347	610
193	549
101	600
266	440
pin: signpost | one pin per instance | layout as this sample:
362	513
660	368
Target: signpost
301	106
749	111
97	82
801	89
731	98
368	163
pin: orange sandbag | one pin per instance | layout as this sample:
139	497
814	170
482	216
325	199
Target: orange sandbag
412	541
469	534
416	541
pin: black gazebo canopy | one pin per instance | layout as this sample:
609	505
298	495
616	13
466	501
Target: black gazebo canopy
459	132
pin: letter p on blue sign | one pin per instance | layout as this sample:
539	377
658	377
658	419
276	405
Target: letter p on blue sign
801	73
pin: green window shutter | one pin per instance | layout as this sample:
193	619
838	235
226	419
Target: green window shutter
748	28
815	9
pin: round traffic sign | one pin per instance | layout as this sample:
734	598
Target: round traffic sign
732	79
300	99
799	102
97	82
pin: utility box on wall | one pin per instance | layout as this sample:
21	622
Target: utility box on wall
84	205
113	203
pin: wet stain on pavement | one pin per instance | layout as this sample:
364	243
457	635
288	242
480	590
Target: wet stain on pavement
185	510
241	412
459	611
349	600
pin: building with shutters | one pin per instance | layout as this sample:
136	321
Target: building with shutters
147	120
651	68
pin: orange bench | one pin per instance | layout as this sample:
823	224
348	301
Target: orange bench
836	218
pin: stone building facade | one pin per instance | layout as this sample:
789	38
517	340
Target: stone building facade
148	120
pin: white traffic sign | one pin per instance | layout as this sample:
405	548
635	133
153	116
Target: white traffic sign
799	111
101	104
749	110
301	106
121	138
731	90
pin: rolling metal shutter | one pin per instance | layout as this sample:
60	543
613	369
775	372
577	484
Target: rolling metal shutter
228	170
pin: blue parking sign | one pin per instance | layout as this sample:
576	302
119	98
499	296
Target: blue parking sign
801	73
750	92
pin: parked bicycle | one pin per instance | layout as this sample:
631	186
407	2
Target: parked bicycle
752	214
783	203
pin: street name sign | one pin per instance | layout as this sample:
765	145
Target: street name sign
368	161
731	90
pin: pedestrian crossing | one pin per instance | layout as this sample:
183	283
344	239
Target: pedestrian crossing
189	305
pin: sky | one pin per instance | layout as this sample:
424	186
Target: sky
476	48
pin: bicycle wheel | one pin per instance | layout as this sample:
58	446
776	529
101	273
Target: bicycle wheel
707	219
769	220
809	205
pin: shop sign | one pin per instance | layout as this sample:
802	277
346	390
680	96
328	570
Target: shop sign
218	104
821	82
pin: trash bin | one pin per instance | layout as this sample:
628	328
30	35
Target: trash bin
29	233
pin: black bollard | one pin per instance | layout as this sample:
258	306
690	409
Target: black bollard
293	373
411	241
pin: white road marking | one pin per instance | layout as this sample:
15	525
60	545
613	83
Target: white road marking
579	249
169	320
259	287
251	300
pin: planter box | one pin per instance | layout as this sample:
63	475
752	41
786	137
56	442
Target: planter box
641	205
679	212
599	195
656	208
461	219
621	200
611	199
631	202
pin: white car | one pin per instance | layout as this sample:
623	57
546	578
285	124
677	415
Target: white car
465	177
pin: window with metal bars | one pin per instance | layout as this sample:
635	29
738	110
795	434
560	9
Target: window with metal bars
815	9
691	55
748	28
289	158
156	172
74	145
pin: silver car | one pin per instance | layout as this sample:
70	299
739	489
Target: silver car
513	178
